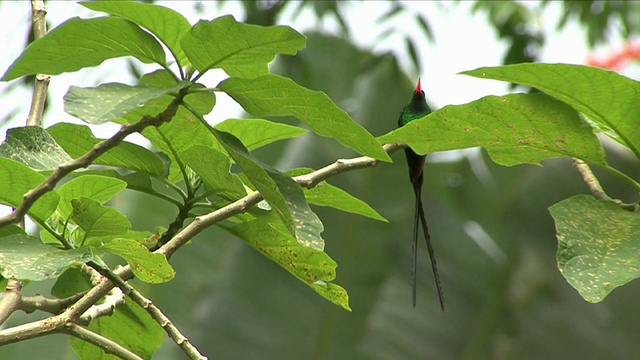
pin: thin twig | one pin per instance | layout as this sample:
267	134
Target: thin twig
166	324
591	180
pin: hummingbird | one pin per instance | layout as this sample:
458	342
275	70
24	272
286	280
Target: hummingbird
417	108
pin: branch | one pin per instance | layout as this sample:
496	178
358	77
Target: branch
10	300
41	86
86	160
166	324
590	179
107	345
30	304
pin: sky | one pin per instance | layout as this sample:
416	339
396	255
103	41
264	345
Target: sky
462	42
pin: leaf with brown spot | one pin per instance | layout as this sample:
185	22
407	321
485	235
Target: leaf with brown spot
27	258
598	245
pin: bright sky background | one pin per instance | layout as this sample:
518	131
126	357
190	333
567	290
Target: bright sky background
463	42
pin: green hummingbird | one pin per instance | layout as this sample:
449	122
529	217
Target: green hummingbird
417	108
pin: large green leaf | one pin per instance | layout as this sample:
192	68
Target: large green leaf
325	194
79	43
26	258
166	24
130	326
213	168
598	245
77	140
184	130
608	99
256	133
96	187
98	220
514	129
34	147
109	102
283	194
241	50
313	267
16	180
272	95
147	266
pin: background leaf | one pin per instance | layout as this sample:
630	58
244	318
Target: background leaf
108	102
239	49
325	194
130	326
272	95
213	167
96	187
16	180
313	267
147	266
256	133
598	245
605	97
280	191
168	25
77	140
26	258
514	129
79	43
34	147
98	220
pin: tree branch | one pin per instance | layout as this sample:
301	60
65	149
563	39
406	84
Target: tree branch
590	179
166	324
30	304
10	300
39	11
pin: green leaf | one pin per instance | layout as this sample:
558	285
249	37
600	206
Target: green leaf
79	43
26	258
272	95
147	266
608	99
213	167
96	187
77	140
256	133
11	230
98	220
16	180
325	194
239	49
34	147
598	245
514	129
311	266
168	25
283	194
72	281
130	326
184	130
109	102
